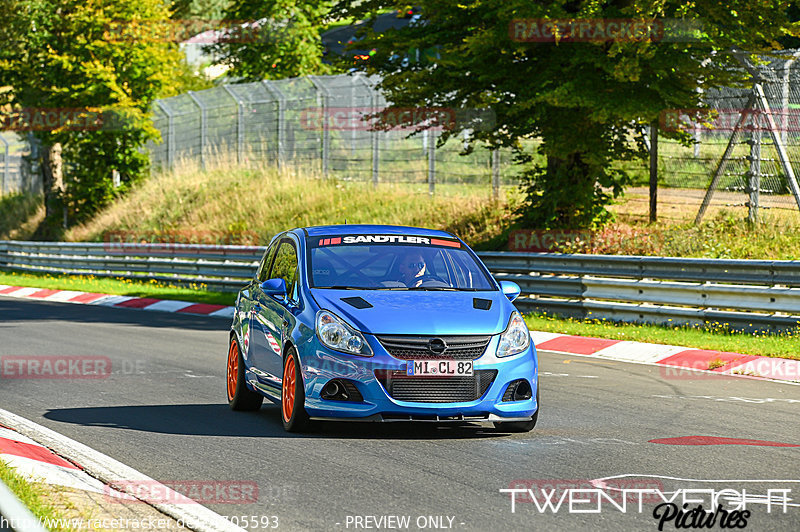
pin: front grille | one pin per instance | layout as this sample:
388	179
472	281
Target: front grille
436	389
416	347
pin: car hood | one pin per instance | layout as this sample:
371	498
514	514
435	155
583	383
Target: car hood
419	312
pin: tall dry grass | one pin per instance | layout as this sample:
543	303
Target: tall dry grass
20	214
230	198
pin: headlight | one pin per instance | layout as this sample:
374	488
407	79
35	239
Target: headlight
333	332
516	337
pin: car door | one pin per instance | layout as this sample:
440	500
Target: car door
255	339
272	316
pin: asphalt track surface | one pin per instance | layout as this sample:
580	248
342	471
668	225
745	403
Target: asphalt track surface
163	411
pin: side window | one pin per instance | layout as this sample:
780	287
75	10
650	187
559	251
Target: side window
263	268
285	267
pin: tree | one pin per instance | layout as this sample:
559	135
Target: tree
210	10
70	56
273	39
580	99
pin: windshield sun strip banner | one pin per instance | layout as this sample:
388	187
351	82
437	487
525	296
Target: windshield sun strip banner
386	239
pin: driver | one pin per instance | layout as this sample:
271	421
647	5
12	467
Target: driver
412	269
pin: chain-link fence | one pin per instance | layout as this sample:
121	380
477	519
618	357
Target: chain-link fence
323	123
735	149
16	173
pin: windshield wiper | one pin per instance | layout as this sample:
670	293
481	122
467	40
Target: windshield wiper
434	288
341	287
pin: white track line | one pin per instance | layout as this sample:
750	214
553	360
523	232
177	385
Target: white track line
110	471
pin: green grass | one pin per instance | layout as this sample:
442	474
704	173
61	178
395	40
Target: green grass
33	496
120	287
785	345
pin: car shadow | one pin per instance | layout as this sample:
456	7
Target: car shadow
219	420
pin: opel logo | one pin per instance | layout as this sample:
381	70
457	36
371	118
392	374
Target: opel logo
437	346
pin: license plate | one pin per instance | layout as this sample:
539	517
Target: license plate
439	368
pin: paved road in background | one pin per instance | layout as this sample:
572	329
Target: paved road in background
163	411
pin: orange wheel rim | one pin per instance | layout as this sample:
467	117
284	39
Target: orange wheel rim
233	369
289	378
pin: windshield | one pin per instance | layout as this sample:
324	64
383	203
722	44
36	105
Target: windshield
393	262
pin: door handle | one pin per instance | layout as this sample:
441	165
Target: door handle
285	323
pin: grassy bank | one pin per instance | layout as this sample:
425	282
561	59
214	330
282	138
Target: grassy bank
785	345
261	201
119	287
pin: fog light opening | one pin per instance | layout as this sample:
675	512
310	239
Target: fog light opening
519	390
338	390
522	391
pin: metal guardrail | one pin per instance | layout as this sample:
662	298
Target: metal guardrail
740	294
223	268
745	294
14	515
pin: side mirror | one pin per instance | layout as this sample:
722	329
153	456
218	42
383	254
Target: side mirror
510	289
275	288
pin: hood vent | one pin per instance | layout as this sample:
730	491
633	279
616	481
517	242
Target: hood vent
481	304
358	302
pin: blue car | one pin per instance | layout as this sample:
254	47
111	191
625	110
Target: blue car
381	323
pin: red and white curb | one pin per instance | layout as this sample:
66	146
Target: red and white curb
107	300
31	449
719	362
39	464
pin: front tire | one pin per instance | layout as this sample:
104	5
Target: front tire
293	397
520	426
240	397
